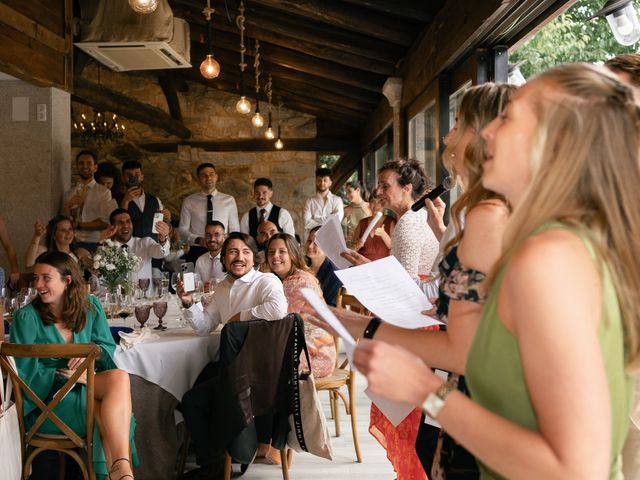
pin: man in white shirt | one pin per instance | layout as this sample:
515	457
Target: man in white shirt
209	265
121	230
87	204
244	294
265	210
320	207
204	207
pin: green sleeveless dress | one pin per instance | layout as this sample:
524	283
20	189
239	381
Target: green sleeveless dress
494	368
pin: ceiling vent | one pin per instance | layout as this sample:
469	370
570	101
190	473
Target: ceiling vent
123	40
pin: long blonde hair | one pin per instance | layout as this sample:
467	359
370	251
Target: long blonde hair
478	107
585	172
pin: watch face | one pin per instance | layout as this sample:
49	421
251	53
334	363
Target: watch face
432	405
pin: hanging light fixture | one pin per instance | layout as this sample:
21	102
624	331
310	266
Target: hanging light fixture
103	128
623	20
243	106
143	6
209	68
279	145
269	131
257	120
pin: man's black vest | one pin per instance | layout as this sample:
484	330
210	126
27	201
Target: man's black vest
143	221
253	220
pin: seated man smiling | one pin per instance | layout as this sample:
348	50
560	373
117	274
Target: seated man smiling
244	294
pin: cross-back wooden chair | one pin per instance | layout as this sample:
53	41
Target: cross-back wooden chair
343	375
33	443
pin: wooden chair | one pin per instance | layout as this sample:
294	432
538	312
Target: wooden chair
33	443
285	460
343	376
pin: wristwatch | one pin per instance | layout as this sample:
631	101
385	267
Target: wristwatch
436	400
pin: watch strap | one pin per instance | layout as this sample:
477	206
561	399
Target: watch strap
373	325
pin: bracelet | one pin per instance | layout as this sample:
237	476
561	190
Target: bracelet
373	325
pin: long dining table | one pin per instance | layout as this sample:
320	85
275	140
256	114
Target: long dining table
162	369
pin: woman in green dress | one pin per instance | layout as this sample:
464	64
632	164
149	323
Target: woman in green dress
63	313
549	367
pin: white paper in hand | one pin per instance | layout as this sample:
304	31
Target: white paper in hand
386	289
330	240
327	315
394	411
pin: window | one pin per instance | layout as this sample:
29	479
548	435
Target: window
454	105
422	139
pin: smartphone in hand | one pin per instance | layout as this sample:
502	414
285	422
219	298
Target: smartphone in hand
188	277
157	217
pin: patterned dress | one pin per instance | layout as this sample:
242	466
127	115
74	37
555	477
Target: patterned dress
322	350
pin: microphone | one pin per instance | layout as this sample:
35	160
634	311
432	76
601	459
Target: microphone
447	184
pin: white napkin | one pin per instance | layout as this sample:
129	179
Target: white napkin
130	340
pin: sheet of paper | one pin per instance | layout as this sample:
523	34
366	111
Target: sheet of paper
394	411
330	240
327	315
386	289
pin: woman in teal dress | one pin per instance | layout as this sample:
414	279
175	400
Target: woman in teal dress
62	295
549	368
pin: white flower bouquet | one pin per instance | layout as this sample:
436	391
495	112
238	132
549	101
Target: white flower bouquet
115	265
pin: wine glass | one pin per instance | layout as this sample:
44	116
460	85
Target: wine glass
142	313
160	309
144	284
199	290
165	282
111	304
10	306
157	286
125	307
175	278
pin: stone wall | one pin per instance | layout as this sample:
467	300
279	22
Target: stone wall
210	115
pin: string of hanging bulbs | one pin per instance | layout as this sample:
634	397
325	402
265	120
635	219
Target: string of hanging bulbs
243	106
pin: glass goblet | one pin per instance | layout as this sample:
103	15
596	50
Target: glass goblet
144	284
142	313
157	286
160	309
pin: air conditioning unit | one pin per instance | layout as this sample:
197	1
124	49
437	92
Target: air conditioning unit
123	40
122	56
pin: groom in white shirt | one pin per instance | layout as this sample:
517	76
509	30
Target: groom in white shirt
244	294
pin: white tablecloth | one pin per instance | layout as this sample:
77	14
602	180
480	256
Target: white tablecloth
174	360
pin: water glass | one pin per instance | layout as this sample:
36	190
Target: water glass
144	284
111	304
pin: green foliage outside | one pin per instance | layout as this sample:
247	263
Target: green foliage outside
571	38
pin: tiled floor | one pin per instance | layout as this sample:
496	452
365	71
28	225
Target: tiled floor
374	466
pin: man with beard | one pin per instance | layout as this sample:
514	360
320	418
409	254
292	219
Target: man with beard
265	210
87	204
121	231
209	265
323	204
244	294
266	230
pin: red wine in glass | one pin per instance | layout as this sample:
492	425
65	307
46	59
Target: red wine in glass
142	313
160	309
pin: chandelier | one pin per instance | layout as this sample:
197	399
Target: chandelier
103	128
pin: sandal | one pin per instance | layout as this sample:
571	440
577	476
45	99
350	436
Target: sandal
126	475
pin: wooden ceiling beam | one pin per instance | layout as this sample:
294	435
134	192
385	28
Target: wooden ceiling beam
376	25
103	98
295	27
318	144
412	9
325	111
270	54
169	89
322	52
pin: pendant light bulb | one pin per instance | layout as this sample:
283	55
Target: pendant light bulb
269	133
243	106
210	68
143	6
257	120
279	145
